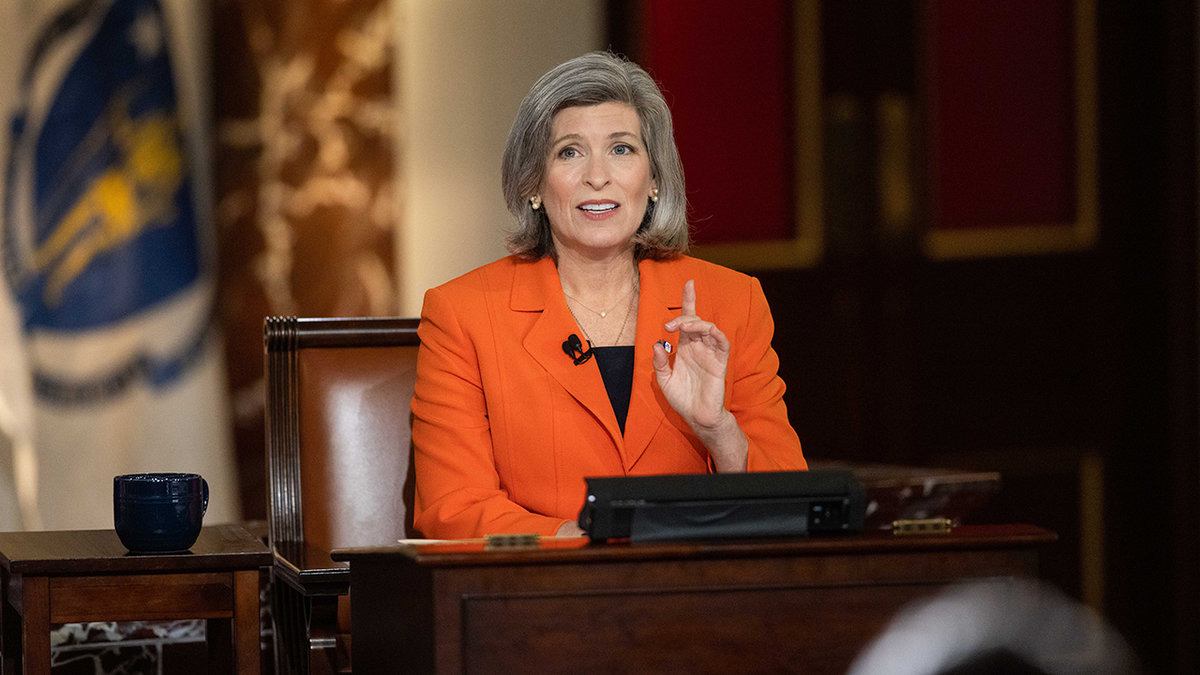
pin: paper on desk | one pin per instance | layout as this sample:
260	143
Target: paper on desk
492	540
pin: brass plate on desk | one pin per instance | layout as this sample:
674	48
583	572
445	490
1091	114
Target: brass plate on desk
924	526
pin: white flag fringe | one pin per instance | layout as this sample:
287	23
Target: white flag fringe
18	465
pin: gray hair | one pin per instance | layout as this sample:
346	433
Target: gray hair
592	79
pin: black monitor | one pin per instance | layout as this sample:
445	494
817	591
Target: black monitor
722	506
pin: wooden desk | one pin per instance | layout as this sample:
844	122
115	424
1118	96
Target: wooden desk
804	605
79	576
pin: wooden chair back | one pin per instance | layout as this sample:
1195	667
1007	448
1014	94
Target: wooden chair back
339	463
339	431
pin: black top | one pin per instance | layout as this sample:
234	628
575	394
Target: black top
616	368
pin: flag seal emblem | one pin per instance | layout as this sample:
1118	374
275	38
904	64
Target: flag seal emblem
99	224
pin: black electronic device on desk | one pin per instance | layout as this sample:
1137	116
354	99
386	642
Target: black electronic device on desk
722	506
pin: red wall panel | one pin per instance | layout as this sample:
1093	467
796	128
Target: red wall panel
1002	113
725	69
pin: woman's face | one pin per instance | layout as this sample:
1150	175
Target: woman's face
597	179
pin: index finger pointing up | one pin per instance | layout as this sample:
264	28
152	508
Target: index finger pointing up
689	298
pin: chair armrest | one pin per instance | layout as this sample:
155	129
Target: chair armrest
310	570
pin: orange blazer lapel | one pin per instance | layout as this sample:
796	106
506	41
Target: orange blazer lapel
659	301
536	289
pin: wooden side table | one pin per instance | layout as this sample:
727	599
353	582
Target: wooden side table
80	576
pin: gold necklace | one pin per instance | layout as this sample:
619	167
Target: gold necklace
604	313
628	311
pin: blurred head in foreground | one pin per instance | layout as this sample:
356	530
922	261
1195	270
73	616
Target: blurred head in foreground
997	628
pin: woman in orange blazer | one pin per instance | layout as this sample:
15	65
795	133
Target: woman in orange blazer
511	411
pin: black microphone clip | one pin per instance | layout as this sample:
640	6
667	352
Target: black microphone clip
573	347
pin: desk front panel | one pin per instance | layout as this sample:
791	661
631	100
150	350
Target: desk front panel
808	614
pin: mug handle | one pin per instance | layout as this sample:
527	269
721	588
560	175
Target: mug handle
204	510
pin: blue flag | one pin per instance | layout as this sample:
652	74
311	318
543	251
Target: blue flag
99	221
102	254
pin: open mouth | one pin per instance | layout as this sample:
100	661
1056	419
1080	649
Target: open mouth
599	208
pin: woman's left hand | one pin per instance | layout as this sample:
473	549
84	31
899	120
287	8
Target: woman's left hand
695	384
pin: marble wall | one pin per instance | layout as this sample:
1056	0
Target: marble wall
304	157
357	149
128	648
147	647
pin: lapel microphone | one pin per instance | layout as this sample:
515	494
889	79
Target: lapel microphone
574	349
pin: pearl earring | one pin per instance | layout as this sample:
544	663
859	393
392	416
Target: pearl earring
536	202
654	195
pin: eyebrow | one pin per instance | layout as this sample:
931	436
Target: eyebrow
615	134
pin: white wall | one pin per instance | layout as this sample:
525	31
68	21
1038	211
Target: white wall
464	67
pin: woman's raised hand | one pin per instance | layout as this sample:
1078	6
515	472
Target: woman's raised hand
695	384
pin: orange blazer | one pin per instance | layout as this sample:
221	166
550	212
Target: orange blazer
506	427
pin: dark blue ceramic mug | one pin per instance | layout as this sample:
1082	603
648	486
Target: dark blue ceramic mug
158	512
